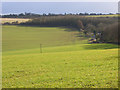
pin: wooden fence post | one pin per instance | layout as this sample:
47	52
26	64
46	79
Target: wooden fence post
40	48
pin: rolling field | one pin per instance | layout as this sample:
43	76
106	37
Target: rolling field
32	37
66	61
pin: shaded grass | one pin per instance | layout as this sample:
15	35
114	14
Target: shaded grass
65	48
101	46
17	37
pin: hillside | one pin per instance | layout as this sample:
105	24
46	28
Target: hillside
66	61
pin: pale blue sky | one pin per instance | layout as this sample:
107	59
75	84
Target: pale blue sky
59	7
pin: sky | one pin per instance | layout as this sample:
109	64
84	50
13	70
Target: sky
59	0
6	9
59	7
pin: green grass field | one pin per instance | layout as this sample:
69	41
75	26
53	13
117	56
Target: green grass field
18	37
66	61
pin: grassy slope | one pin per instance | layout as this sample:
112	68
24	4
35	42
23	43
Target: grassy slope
75	65
16	37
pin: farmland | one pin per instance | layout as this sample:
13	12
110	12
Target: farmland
10	20
66	61
114	15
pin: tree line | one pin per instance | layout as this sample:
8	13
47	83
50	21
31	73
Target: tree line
33	15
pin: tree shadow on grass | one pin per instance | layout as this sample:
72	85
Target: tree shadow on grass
66	28
100	46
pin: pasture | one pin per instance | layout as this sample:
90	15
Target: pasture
31	37
66	61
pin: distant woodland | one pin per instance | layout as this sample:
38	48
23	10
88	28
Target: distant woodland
33	15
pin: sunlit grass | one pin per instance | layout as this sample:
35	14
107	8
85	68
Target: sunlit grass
60	65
